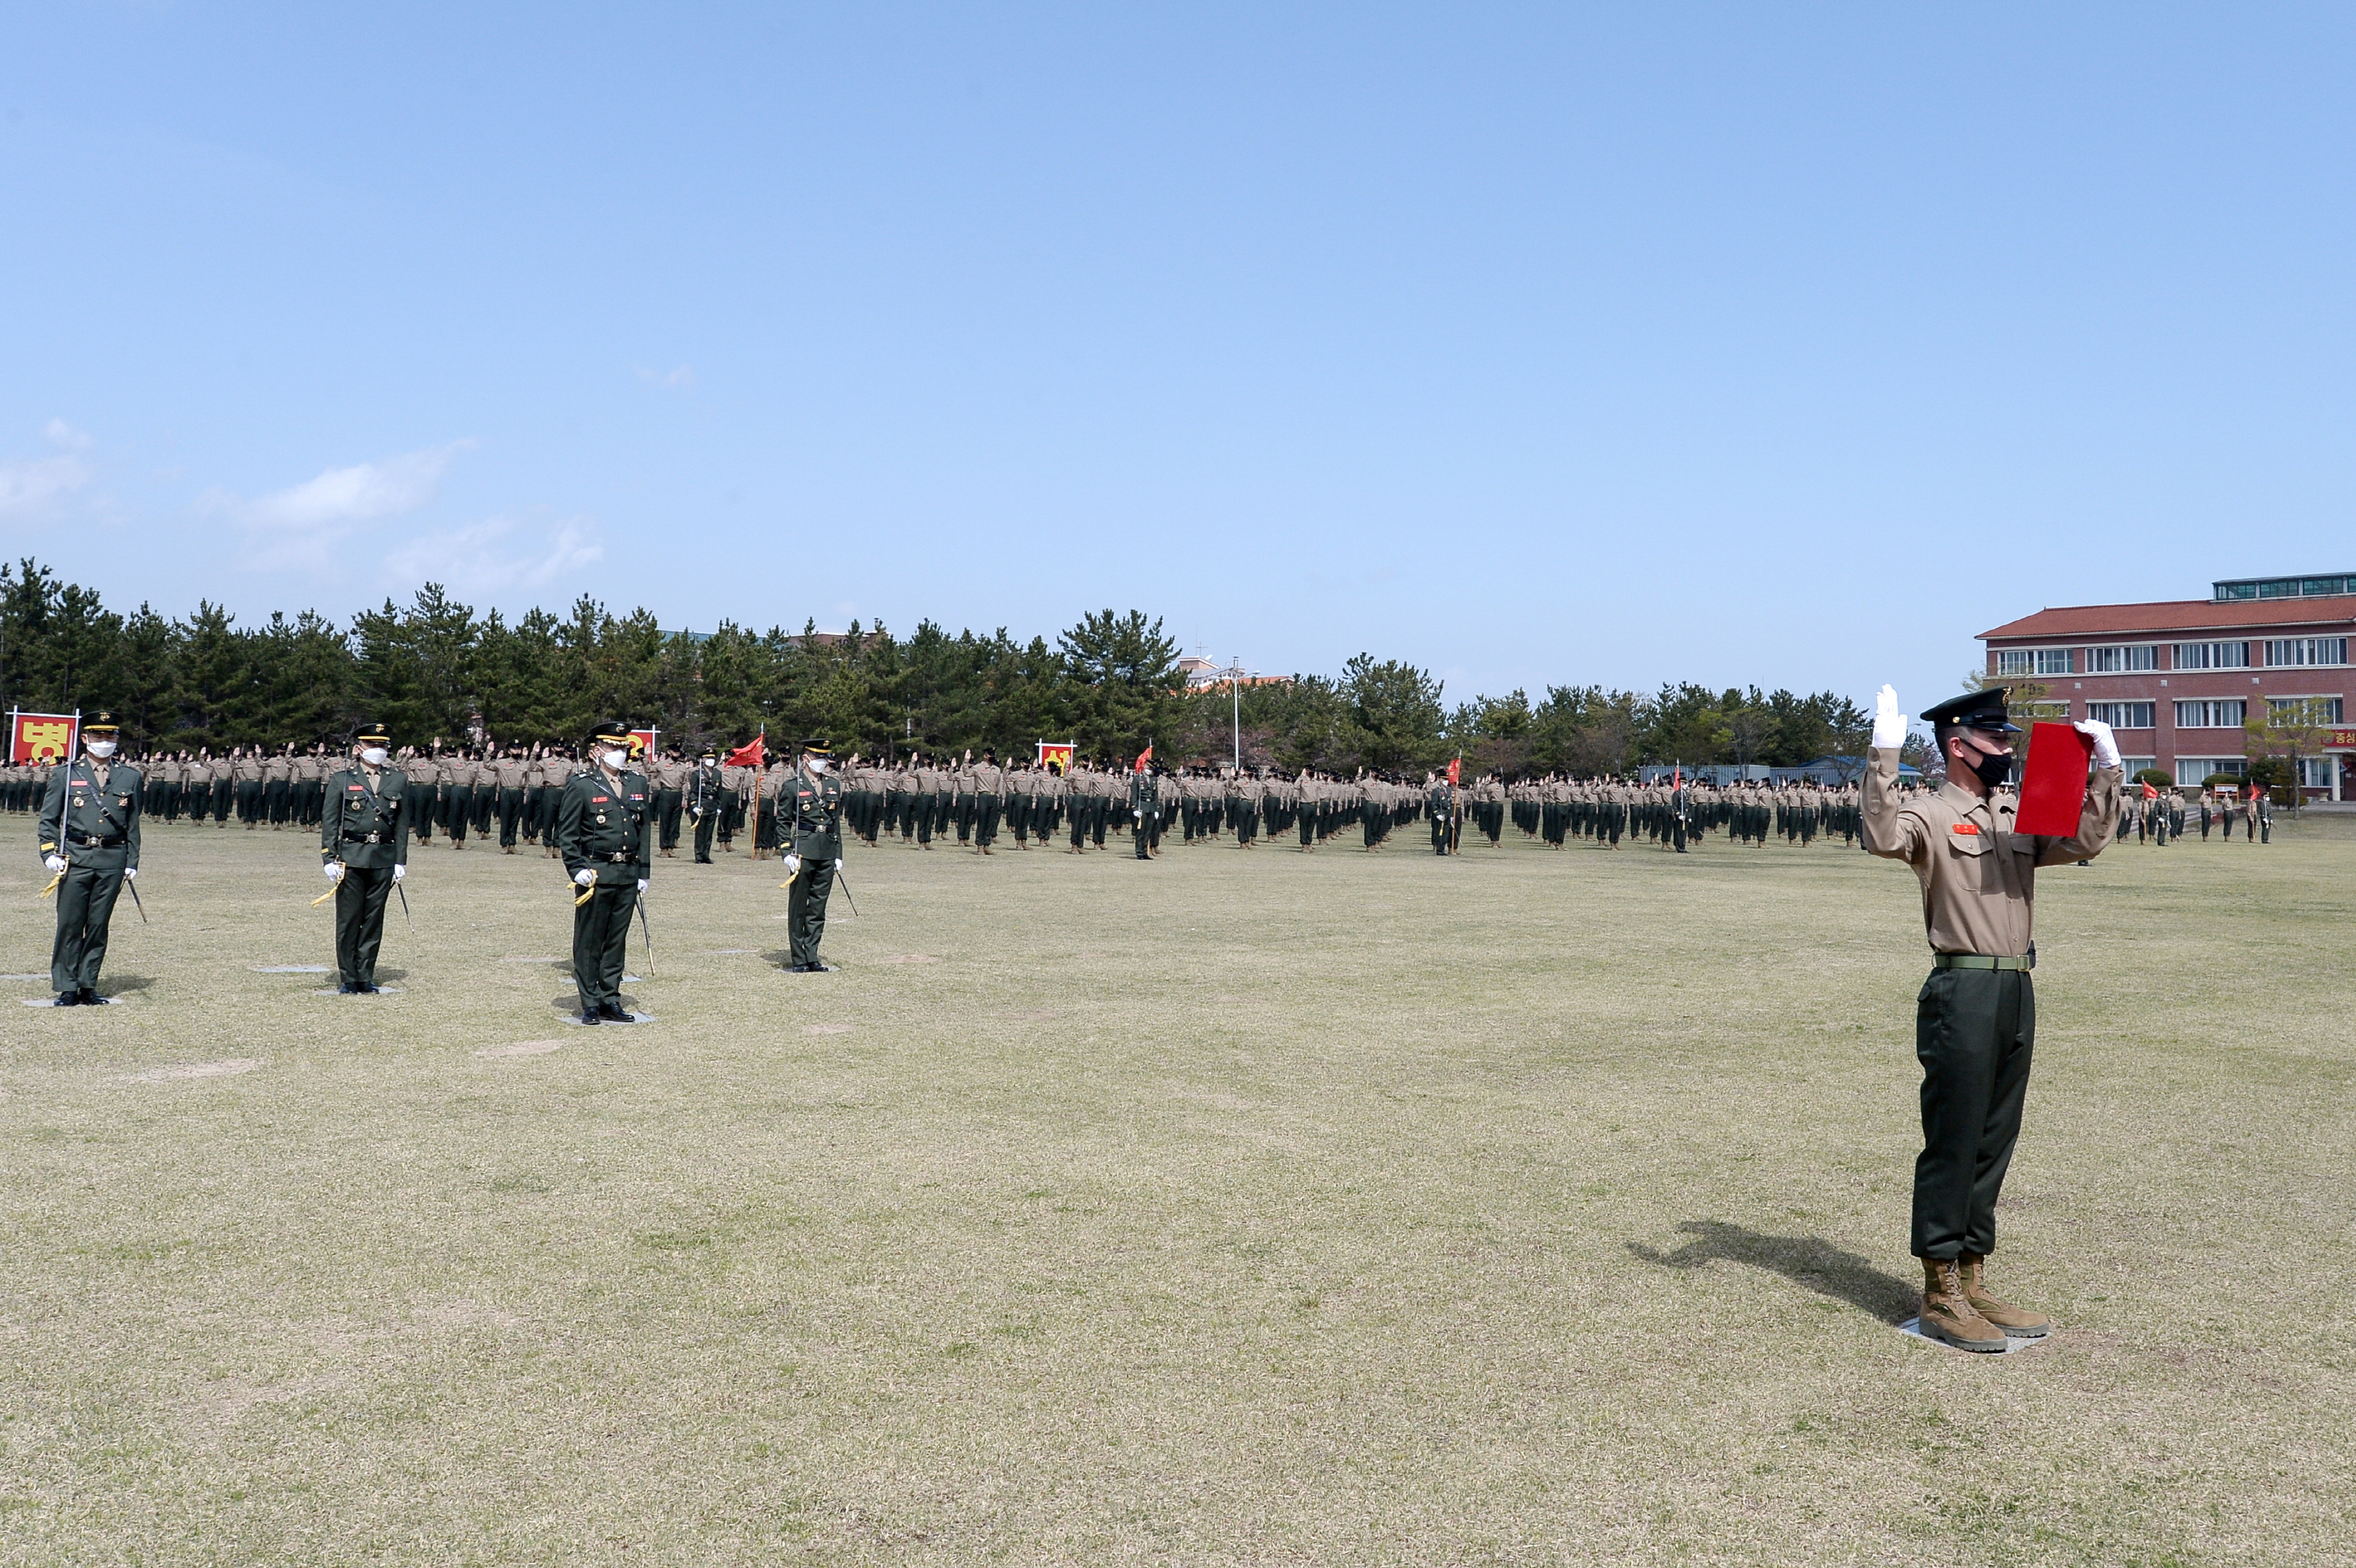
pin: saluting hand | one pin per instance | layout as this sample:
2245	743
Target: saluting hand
1889	724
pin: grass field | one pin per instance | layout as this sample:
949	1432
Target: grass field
1237	1208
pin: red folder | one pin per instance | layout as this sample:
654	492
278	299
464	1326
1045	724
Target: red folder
2054	781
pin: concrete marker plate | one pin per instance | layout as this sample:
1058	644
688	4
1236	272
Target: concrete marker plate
636	1018
1913	1330
292	968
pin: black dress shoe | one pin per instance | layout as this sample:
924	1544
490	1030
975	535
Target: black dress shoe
615	1013
347	990
89	997
818	969
68	1000
369	988
590	1016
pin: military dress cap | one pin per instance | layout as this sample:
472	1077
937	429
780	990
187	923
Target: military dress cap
817	749
101	724
1973	710
371	729
611	731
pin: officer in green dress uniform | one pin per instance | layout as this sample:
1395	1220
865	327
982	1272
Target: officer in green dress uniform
89	842
810	824
364	841
705	799
605	832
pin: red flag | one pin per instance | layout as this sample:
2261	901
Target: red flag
1454	767
749	756
2149	792
1144	757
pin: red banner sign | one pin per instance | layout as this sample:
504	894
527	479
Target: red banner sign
42	737
1059	752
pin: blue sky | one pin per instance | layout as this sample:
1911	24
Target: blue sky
1622	343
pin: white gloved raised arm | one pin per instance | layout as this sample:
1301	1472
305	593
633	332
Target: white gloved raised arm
2106	745
1889	724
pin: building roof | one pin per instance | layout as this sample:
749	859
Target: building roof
2178	616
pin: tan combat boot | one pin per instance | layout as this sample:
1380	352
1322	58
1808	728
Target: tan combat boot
1947	1316
2016	1321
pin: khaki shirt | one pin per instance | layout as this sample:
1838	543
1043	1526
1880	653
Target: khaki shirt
1979	877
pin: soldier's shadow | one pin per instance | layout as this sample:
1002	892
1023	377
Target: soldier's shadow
1809	1260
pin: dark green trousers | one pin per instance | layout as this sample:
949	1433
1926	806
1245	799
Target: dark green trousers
85	904
600	941
806	909
359	922
1974	1033
704	826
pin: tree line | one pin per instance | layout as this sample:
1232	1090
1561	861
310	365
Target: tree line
433	670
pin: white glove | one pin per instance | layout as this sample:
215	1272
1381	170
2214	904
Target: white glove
54	863
642	884
838	862
793	864
333	870
399	872
584	878
130	873
2106	745
1140	814
1889	724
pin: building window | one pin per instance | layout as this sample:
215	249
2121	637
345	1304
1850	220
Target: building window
2315	773
2133	765
2121	715
2041	713
2307	650
2191	771
2225	715
2033	661
2303	710
2117	661
2212	656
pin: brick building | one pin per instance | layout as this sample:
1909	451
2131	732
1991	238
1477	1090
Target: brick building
2178	680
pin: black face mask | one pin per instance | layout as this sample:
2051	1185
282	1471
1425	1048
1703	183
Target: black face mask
1993	769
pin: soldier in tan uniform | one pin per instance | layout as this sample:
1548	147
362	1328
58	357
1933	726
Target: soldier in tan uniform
1976	1020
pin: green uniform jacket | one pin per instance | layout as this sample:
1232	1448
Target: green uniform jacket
1144	795
364	827
813	805
101	829
602	826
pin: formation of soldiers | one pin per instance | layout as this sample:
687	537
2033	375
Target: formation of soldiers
511	796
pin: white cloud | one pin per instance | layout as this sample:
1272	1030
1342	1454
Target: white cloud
302	525
498	554
680	381
29	486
